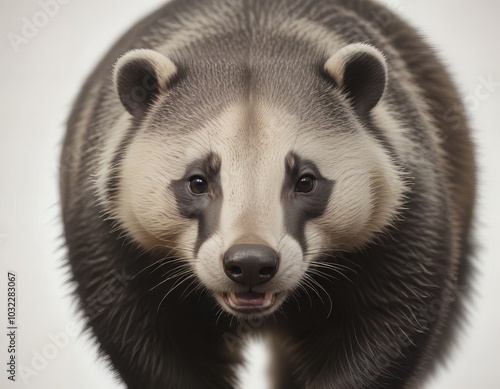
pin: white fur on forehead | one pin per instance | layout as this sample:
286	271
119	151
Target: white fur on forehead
164	68
335	65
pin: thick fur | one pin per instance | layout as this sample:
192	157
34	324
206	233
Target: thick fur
375	277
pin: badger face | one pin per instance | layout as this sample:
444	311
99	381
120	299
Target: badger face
250	191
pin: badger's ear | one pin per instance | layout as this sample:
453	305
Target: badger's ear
139	76
360	70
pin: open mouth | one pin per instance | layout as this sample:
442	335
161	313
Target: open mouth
252	302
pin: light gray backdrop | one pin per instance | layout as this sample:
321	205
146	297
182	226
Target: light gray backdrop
40	76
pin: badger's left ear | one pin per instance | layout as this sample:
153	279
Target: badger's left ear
140	76
360	70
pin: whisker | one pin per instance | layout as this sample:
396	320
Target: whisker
175	286
327	294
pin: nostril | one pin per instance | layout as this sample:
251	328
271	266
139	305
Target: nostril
267	271
235	270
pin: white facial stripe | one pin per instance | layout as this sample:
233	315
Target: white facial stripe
252	171
392	129
111	142
311	32
195	26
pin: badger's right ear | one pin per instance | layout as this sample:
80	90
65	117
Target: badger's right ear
140	76
360	71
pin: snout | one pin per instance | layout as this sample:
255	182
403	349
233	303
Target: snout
251	266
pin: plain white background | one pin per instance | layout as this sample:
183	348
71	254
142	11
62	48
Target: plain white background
38	85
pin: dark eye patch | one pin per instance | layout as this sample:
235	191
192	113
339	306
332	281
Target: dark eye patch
305	195
198	195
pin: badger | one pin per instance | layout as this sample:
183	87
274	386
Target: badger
279	168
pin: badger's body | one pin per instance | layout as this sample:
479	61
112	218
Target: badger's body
286	167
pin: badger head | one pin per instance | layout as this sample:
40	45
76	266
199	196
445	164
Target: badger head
250	173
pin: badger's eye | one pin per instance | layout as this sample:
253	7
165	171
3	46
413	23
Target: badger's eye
305	184
198	185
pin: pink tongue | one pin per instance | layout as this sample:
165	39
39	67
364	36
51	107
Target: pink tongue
250	299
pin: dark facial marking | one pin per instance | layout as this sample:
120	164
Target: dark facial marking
300	207
205	207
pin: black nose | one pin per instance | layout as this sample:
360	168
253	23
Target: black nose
250	264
